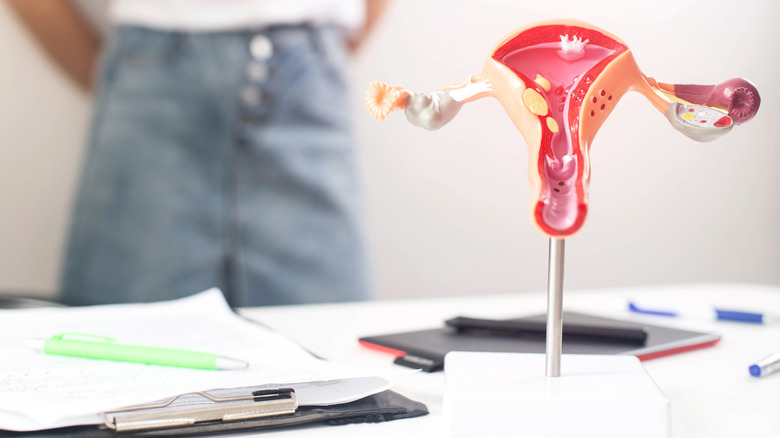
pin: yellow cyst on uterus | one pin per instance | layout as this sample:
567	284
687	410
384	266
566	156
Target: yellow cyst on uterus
543	82
534	102
552	124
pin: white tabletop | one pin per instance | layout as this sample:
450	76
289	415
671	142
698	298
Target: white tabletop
710	391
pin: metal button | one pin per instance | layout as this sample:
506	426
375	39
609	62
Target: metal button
257	72
261	47
252	96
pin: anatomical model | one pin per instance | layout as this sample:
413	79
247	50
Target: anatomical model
558	82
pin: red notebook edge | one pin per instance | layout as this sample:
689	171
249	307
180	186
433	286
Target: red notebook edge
381	348
642	357
676	350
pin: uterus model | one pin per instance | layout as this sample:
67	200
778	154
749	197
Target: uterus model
558	82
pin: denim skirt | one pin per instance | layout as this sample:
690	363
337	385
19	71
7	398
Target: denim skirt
219	159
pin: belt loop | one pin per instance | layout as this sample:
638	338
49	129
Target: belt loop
317	38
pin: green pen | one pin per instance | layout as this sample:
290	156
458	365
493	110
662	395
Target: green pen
101	347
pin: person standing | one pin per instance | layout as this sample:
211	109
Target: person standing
220	150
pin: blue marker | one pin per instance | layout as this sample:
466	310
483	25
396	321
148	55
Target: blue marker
708	313
765	366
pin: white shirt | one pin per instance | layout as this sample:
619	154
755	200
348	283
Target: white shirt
216	15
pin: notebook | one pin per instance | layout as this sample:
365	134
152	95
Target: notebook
425	349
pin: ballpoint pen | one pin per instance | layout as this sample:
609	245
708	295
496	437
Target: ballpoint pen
702	312
101	347
765	366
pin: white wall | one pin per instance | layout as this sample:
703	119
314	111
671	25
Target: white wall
42	128
447	211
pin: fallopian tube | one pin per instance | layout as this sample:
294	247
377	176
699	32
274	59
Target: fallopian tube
558	82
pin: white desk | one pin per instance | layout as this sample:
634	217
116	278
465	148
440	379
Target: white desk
710	390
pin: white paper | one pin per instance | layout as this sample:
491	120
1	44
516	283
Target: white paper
40	391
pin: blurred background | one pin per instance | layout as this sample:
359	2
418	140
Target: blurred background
447	212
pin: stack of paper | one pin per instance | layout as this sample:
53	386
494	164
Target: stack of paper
42	391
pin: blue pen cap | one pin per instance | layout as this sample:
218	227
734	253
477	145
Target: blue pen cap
755	370
730	315
634	308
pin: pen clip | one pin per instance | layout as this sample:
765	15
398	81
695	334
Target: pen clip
70	336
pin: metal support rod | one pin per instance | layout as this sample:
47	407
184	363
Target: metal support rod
554	308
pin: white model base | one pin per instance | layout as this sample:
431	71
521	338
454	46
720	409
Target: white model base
508	395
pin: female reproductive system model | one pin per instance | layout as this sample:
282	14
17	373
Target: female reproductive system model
558	82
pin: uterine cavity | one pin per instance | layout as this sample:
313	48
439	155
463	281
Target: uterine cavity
561	82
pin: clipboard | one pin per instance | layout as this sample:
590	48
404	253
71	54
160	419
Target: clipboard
281	400
273	408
